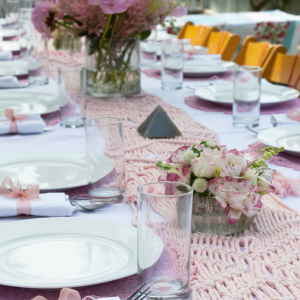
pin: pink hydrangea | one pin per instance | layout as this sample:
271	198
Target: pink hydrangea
235	197
179	11
43	17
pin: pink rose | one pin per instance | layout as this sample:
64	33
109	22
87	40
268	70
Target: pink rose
179	11
233	164
235	197
111	7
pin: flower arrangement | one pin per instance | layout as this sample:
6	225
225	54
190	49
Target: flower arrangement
111	28
235	179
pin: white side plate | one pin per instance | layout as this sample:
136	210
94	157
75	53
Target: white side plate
23	102
49	171
287	136
52	253
268	98
197	68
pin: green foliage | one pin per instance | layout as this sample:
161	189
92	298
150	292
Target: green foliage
270	151
196	151
204	194
182	188
207	146
145	35
160	164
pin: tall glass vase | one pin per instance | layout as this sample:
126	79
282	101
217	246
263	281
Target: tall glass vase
208	217
113	67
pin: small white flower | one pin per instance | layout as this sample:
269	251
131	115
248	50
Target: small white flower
189	155
200	185
210	144
252	175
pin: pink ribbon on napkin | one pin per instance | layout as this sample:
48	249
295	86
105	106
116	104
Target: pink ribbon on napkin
9	114
23	204
65	294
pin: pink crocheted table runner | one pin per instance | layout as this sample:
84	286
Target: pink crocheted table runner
156	74
198	103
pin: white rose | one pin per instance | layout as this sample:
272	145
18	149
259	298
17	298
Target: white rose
233	164
207	164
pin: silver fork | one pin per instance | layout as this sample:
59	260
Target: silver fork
93	206
141	294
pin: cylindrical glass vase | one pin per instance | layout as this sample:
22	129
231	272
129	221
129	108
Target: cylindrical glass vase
208	217
113	67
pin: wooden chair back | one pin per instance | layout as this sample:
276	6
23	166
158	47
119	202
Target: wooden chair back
197	34
284	69
224	43
241	55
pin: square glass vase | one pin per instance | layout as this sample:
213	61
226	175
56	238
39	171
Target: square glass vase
209	218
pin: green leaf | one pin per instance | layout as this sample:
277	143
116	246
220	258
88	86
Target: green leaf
204	194
182	188
160	164
83	33
196	151
145	35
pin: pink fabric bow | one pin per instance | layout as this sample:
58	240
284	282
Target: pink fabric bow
65	294
23	204
9	114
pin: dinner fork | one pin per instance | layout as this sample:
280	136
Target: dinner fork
93	206
140	293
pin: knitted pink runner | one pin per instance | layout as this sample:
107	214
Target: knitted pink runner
198	103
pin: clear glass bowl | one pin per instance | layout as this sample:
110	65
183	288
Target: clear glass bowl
208	217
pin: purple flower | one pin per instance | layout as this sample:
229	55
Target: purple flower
179	11
43	17
111	7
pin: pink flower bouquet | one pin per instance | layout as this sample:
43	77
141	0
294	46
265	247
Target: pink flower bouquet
236	180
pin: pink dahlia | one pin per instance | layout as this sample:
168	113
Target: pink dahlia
111	7
43	18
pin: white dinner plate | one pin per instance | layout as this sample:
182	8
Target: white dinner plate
10	32
52	253
199	49
287	136
197	68
278	94
50	171
25	102
10	45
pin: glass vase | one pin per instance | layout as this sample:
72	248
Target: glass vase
113	67
208	217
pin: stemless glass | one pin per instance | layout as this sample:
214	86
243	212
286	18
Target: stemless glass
171	64
164	238
105	157
246	96
148	50
72	85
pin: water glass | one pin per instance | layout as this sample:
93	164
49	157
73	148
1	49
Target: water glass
164	238
105	157
148	50
246	96
171	64
72	96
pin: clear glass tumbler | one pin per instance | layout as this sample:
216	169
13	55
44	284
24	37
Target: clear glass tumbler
246	96
148	50
164	238
171	64
72	96
105	157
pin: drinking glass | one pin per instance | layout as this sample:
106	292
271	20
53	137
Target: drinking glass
246	96
72	96
105	157
148	50
12	13
171	64
164	238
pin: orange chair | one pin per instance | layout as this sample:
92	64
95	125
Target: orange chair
242	53
284	69
197	34
224	43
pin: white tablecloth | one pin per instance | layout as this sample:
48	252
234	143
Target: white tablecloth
275	26
72	141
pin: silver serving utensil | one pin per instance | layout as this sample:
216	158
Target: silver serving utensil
252	130
91	207
273	121
48	128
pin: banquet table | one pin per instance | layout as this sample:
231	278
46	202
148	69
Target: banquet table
72	141
275	26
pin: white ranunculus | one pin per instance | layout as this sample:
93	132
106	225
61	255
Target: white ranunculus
207	164
233	164
200	185
188	155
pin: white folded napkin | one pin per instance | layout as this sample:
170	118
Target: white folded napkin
5	55
34	124
9	81
48	205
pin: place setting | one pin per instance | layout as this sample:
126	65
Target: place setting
147	154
